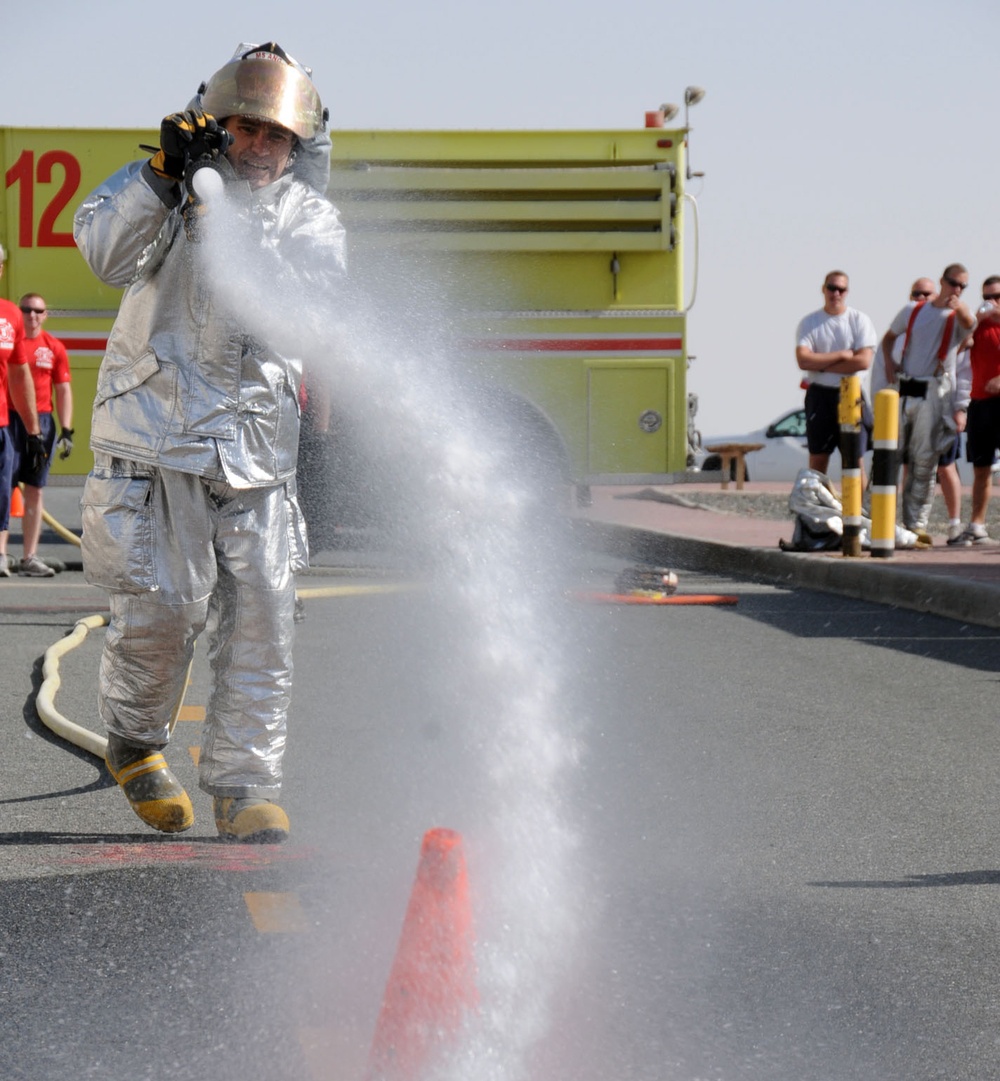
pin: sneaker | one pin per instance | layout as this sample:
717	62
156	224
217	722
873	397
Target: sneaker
972	538
924	539
152	791
250	821
4	566
33	567
955	530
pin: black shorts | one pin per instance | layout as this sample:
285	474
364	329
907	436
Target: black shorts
7	454
951	455
47	428
823	420
982	431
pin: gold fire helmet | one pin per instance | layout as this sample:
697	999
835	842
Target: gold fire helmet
264	82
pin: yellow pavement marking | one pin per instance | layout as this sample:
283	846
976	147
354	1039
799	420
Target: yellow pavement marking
276	912
195	753
191	713
354	591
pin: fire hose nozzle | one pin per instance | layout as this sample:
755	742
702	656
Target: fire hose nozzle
205	178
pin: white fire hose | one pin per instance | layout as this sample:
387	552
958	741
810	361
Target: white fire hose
84	738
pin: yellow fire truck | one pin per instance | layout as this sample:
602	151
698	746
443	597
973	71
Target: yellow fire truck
565	248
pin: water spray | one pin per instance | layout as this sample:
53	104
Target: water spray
485	535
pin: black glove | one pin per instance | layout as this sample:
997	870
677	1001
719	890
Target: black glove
184	137
65	443
34	455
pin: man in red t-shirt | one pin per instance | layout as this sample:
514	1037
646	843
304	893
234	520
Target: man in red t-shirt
982	430
49	365
15	383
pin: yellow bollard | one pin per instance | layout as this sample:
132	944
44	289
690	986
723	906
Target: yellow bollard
849	414
885	473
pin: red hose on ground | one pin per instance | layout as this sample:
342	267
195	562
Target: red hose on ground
656	598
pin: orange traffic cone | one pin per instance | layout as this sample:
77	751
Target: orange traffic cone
16	503
432	985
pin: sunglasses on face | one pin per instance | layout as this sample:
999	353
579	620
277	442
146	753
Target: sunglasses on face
836	288
33	311
960	286
991	296
918	295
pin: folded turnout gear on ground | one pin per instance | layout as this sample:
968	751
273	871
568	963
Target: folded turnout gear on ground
819	523
819	526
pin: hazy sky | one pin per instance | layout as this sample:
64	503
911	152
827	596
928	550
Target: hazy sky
849	135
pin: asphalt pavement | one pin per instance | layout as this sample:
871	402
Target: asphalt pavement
729	842
657	525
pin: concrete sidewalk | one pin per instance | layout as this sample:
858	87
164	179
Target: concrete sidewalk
660	525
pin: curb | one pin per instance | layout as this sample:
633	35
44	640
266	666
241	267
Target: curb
941	595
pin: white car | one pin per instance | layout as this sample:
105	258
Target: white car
784	452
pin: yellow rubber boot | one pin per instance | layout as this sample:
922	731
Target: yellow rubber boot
251	821
152	791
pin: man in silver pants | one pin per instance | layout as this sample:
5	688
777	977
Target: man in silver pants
190	517
933	386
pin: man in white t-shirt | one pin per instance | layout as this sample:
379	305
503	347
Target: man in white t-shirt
934	387
831	343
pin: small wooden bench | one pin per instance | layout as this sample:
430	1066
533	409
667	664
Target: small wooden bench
734	452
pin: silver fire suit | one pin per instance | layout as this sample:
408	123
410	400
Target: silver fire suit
934	383
189	515
926	431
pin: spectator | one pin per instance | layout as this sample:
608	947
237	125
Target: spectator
832	342
17	388
190	507
933	387
983	426
924	289
49	364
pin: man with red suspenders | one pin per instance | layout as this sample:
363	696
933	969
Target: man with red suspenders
933	387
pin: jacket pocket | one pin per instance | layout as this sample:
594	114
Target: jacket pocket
134	405
119	376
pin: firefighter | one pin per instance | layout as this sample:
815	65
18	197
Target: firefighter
190	509
934	382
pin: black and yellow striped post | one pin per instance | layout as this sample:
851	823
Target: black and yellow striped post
849	414
885	473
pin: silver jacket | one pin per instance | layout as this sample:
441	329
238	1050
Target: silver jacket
181	385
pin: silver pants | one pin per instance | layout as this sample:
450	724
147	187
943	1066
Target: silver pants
924	436
176	553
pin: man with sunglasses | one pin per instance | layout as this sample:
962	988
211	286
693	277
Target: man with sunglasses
983	425
924	289
832	342
933	387
49	363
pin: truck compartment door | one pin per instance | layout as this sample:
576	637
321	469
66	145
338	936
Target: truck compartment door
628	413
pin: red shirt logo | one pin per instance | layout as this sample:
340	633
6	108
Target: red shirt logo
6	335
44	358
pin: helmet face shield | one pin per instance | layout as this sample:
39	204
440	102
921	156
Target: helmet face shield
267	89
